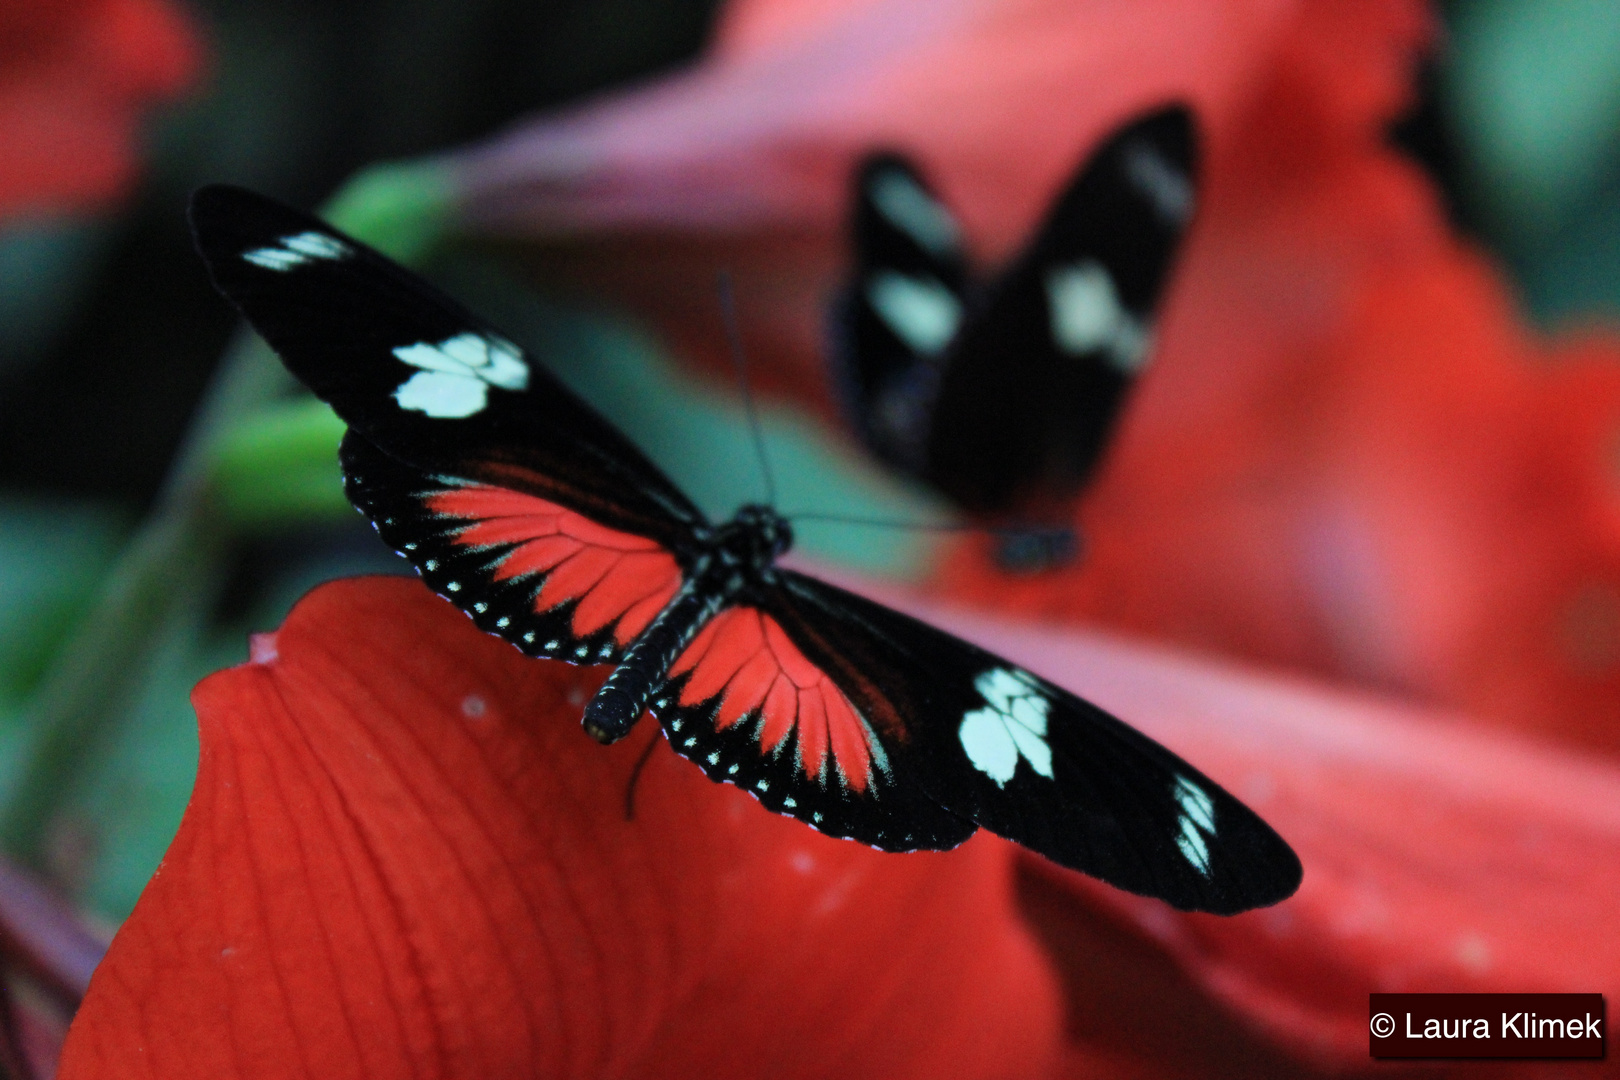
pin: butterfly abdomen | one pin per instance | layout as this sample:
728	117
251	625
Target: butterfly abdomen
645	667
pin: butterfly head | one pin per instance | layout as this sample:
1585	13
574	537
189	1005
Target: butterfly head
757	536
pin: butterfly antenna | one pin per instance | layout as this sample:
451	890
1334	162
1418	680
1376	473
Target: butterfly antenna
1002	531
739	360
892	523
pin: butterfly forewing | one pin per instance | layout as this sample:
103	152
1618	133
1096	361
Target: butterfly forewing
1028	760
418	375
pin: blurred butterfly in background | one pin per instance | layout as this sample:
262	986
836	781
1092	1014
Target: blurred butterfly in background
522	506
1003	395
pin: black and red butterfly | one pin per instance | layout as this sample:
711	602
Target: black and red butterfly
522	506
1003	395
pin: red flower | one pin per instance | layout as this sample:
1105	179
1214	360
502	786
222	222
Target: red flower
75	76
1348	457
402	853
1352	458
404	858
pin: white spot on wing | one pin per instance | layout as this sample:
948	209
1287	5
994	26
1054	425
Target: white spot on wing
1088	317
456	374
1165	185
291	252
1197	822
1012	725
906	206
443	397
922	312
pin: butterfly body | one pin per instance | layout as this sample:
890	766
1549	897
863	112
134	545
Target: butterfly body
522	506
736	556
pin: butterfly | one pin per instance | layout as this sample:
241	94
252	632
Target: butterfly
1003	395
522	506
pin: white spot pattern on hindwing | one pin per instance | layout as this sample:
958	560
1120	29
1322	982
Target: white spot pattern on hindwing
1087	316
1011	725
1197	822
456	374
291	252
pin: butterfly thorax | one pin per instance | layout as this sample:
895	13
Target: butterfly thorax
730	558
752	540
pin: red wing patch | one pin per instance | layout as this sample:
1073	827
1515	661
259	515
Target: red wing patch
747	656
614	575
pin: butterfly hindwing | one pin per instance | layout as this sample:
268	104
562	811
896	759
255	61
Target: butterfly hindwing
997	746
750	707
423	379
1013	408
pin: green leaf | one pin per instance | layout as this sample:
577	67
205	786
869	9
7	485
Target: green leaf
51	558
1536	92
402	209
279	465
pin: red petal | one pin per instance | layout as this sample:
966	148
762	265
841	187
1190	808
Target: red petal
78	77
402	858
1352	456
1438	858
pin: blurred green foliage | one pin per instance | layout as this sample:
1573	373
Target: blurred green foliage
1533	91
52	557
